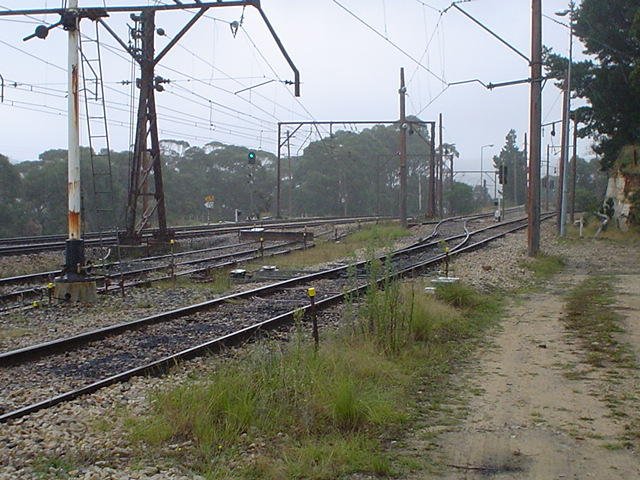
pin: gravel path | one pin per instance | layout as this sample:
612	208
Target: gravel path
538	410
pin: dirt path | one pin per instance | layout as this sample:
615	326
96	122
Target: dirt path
537	410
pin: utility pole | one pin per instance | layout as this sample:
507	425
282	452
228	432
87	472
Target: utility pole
440	169
403	151
546	190
278	181
515	170
565	125
74	285
295	126
431	204
290	175
146	142
146	159
574	170
535	127
451	182
561	195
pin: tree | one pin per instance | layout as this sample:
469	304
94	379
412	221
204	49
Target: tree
12	218
610	31
356	173
591	185
461	198
514	188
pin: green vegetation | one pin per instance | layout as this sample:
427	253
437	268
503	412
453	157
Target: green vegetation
609	80
591	317
461	199
53	467
515	160
544	266
369	237
277	411
347	174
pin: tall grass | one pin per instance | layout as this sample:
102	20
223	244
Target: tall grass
372	237
544	266
289	412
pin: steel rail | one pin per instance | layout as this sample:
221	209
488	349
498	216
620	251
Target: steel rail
231	259
163	365
47	348
18	279
48	275
203	229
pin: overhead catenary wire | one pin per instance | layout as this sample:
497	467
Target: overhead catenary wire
395	45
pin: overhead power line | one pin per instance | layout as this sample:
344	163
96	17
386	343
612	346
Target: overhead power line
395	45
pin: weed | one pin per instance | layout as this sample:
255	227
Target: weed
544	266
592	319
52	467
372	237
290	412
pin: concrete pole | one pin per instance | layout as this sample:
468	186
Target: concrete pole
574	171
290	175
278	215
562	162
546	190
440	168
431	193
73	104
403	152
515	170
535	128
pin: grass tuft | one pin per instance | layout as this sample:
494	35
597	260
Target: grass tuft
370	237
592	319
544	266
291	412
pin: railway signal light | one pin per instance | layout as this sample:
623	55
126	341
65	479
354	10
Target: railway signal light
502	175
251	156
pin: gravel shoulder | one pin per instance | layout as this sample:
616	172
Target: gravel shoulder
530	406
515	391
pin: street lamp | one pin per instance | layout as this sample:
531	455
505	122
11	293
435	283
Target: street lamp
567	109
490	145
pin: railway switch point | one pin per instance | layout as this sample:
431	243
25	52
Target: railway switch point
445	280
238	273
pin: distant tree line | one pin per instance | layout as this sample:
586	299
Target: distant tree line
347	173
352	173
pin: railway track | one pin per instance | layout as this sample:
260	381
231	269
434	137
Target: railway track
36	287
44	375
47	243
119	276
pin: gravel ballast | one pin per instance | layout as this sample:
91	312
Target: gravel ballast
82	432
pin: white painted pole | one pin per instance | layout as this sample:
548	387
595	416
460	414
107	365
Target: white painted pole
73	167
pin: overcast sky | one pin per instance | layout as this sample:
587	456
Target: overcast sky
348	72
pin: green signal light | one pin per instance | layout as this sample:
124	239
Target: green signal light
252	157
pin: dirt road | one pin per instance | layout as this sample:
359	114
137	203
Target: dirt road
536	409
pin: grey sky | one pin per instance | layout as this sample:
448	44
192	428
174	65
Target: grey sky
348	73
